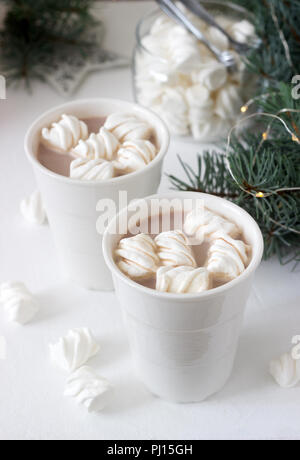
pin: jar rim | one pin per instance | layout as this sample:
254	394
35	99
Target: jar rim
231	6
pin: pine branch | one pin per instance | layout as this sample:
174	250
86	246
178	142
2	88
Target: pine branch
37	33
279	98
270	61
211	177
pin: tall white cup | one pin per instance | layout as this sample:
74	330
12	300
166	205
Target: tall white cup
71	204
184	346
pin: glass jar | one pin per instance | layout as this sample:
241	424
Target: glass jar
177	76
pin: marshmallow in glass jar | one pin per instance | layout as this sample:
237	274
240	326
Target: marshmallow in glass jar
180	79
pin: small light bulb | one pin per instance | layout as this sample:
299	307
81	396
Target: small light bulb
244	109
260	195
265	136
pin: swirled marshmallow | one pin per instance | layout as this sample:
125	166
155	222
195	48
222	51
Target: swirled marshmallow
228	102
32	209
89	170
19	304
89	389
65	134
217	38
154	45
135	155
150	90
285	371
137	256
162	26
199	97
174	250
227	258
183	280
212	74
73	350
156	71
183	49
201	109
242	31
174	111
102	145
127	127
205	225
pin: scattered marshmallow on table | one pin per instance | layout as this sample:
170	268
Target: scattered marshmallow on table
32	209
73	350
285	371
18	303
70	354
89	389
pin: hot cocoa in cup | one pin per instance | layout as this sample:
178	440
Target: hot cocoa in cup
75	165
184	252
98	148
183	328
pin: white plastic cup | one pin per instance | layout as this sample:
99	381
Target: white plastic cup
184	346
71	204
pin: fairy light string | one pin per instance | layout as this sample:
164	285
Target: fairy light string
265	136
252	101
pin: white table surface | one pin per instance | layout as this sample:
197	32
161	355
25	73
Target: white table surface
32	405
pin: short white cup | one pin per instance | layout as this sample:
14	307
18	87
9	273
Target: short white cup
184	346
71	204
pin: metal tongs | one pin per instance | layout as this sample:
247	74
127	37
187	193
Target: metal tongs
225	57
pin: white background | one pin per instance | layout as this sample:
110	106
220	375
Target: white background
32	405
